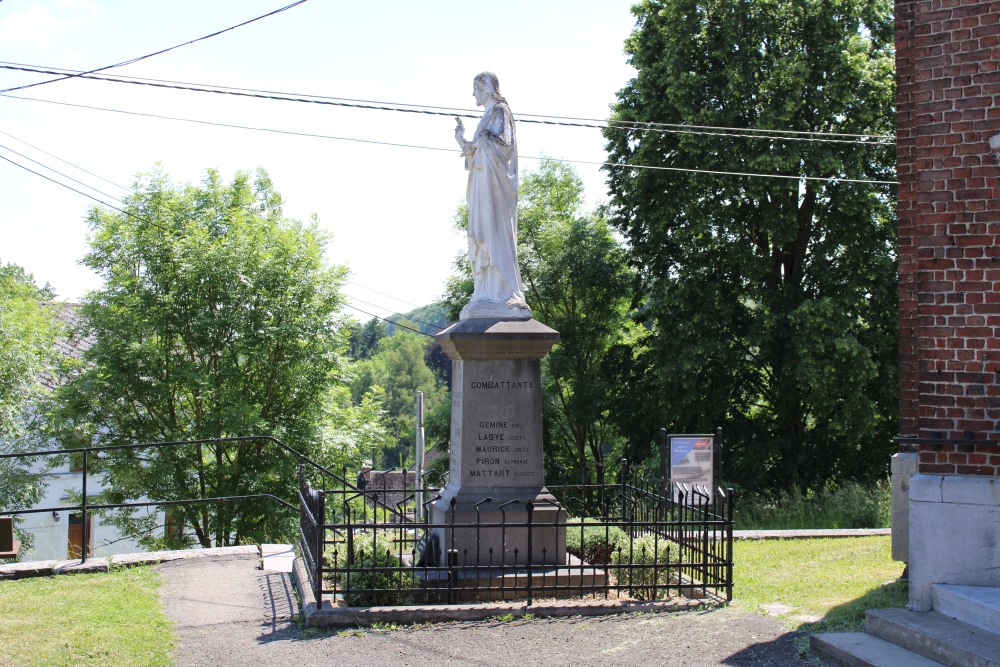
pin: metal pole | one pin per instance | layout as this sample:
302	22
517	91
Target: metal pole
420	458
83	508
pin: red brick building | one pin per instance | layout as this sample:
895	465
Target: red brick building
948	138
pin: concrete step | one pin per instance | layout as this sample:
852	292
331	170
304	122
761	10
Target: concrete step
860	649
978	606
934	636
277	557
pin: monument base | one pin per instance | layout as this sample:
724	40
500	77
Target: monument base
572	579
496	448
496	531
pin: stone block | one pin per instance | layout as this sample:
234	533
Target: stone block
903	467
952	542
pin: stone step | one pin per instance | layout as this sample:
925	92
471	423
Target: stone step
277	557
860	649
978	606
934	636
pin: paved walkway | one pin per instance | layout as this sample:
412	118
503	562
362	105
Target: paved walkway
228	612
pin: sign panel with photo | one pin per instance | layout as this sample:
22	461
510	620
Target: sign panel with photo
692	466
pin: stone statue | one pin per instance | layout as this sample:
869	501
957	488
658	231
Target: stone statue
491	160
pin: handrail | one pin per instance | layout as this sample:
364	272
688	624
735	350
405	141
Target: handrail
85	507
174	443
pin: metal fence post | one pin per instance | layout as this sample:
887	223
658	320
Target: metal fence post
84	512
663	473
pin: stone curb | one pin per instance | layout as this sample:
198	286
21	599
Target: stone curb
808	534
329	616
45	568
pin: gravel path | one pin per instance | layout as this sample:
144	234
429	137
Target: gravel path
227	612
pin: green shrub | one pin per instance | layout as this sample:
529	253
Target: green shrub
373	566
643	565
593	543
377	580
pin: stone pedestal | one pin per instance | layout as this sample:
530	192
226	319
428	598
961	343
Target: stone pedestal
954	533
496	447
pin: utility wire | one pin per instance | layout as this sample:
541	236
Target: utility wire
164	229
433	307
44	166
155	53
402	326
672	128
68	187
450	150
56	157
412	319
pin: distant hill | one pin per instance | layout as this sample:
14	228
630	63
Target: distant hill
429	319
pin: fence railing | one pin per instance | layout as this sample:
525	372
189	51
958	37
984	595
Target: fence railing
88	454
636	542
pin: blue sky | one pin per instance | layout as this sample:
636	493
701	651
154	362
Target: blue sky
389	208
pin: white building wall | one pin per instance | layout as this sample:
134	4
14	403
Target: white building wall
51	530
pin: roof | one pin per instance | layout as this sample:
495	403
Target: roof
70	343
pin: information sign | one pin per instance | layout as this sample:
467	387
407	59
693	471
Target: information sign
692	466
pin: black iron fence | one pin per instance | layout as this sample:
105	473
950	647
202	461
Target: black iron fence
636	539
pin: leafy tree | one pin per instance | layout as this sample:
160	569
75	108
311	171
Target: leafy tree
398	369
354	434
28	332
771	301
217	318
577	281
363	339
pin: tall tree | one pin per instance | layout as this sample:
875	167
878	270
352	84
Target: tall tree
28	331
218	318
772	301
399	370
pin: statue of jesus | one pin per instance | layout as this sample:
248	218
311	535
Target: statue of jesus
491	160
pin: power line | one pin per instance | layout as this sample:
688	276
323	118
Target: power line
155	53
435	148
44	166
164	229
21	166
403	326
56	157
672	128
412	319
437	309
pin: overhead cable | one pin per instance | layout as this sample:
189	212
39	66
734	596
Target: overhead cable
402	326
44	166
451	150
164	229
411	319
672	128
56	157
155	53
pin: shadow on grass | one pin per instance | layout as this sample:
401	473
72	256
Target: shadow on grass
792	648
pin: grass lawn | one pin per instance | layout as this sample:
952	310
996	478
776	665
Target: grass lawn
818	585
85	619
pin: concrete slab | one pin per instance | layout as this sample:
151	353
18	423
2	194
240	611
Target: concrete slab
277	557
45	568
978	606
328	615
935	636
860	649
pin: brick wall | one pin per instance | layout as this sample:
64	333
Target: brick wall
948	106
